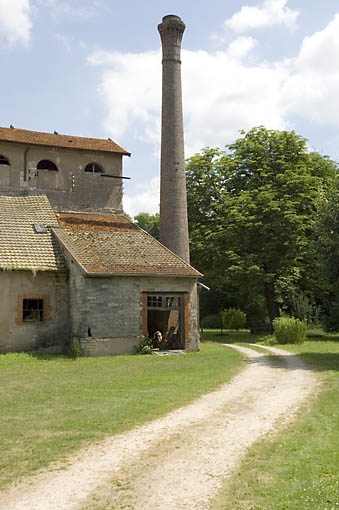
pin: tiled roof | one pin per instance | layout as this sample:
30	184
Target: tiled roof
58	140
104	245
21	247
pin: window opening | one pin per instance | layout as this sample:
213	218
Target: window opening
164	302
3	160
46	164
32	310
94	168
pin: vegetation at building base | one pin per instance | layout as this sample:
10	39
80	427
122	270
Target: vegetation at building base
297	468
261	217
75	348
51	406
145	346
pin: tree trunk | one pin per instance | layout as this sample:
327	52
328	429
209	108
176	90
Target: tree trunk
271	304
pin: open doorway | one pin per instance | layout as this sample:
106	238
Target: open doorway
165	320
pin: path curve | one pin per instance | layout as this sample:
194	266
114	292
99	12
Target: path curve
181	460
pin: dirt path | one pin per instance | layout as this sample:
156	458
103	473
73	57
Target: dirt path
179	461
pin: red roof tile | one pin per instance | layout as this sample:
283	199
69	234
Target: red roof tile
107	245
58	140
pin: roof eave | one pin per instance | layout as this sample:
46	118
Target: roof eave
33	269
122	152
170	275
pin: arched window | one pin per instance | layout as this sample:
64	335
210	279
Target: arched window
46	164
3	160
94	168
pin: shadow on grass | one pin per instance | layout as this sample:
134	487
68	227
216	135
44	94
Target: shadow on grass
323	361
42	356
315	361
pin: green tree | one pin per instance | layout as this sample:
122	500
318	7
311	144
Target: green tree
326	254
149	223
251	212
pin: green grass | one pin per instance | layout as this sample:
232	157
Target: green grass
52	405
298	469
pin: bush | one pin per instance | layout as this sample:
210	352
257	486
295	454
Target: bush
145	346
288	330
233	318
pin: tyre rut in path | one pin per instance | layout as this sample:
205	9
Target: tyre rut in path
181	460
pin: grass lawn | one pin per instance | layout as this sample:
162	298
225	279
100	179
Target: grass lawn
52	405
299	468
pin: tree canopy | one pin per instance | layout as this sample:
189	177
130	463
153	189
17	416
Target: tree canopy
149	223
326	255
252	210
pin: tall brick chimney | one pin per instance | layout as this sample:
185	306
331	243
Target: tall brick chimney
173	200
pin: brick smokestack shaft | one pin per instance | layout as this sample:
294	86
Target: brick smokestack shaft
173	199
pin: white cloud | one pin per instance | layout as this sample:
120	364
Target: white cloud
311	89
15	21
223	92
269	13
241	47
131	90
221	95
145	200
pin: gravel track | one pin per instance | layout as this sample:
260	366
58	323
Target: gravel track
179	461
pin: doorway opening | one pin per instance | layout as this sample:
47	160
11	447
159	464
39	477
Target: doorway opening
165	321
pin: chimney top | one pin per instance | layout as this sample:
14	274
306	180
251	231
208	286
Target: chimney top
171	30
169	17
173	21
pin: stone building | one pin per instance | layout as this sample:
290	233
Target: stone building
73	172
71	264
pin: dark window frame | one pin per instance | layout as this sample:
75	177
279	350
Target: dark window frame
164	302
94	168
47	164
32	310
4	160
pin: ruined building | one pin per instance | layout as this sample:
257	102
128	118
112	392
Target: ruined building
72	265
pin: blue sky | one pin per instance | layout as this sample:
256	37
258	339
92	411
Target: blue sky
93	68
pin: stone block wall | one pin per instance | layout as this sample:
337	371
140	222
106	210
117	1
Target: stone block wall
50	334
110	310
